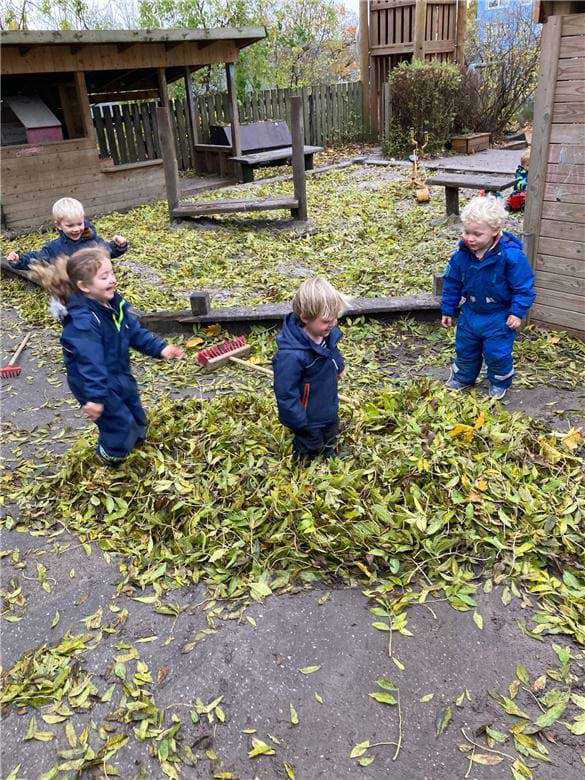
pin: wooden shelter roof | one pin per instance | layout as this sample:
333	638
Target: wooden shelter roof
120	62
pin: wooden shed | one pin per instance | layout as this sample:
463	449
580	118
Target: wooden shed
67	72
395	31
554	220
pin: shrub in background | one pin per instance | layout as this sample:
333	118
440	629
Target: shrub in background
424	99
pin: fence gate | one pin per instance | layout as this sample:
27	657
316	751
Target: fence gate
394	31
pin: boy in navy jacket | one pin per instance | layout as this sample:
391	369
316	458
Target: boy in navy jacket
490	283
307	367
75	233
98	332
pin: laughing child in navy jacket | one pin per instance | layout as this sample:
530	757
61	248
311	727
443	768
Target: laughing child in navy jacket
75	233
98	331
307	367
490	283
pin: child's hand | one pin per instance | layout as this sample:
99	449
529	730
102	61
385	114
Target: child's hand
171	352
513	322
92	410
119	240
446	322
12	257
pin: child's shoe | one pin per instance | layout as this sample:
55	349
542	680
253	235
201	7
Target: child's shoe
108	460
498	392
454	384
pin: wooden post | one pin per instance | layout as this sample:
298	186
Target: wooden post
387	109
298	158
543	109
167	143
230	72
460	33
84	106
364	43
420	23
192	113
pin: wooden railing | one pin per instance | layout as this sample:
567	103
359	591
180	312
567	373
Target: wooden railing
127	132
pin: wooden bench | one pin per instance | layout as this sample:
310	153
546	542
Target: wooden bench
262	144
453	181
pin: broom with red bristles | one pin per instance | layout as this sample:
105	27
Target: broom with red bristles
233	350
10	370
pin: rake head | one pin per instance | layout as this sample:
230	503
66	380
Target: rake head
7	372
213	357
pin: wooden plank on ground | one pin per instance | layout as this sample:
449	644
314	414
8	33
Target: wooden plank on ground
561	283
561	248
233	206
565	230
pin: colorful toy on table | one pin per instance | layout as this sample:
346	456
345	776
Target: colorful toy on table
490	284
75	233
98	331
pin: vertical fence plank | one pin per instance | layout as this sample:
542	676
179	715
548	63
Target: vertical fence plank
100	130
120	135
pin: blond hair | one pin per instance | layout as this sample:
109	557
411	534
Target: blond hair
67	207
316	297
487	209
62	277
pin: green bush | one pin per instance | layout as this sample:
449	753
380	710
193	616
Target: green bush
423	102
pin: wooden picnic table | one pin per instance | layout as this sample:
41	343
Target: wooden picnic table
453	181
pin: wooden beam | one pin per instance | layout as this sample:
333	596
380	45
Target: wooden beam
67	94
84	106
364	44
230	72
116	97
191	112
420	19
163	90
461	31
169	156
543	110
298	158
122	47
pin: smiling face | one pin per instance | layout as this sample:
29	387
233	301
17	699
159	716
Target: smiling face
73	226
103	285
479	236
319	328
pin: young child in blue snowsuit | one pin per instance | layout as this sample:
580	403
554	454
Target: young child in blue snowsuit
75	233
307	367
98	331
491	284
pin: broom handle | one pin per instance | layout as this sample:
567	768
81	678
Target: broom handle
19	349
268	372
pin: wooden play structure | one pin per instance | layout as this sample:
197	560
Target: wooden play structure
395	31
50	81
554	221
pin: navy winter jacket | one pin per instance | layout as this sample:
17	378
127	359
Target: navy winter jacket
96	343
501	281
66	246
305	376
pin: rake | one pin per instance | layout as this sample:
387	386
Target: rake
234	350
10	370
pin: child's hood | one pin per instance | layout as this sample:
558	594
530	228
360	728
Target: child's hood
293	337
82	309
508	242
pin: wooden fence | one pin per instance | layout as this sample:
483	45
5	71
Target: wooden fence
127	132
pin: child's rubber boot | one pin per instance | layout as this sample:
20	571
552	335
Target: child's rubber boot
497	392
108	460
454	384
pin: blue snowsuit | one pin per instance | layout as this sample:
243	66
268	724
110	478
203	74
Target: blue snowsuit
305	385
96	342
66	246
500	284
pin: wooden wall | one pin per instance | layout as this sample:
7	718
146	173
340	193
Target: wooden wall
554	223
400	30
34	177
